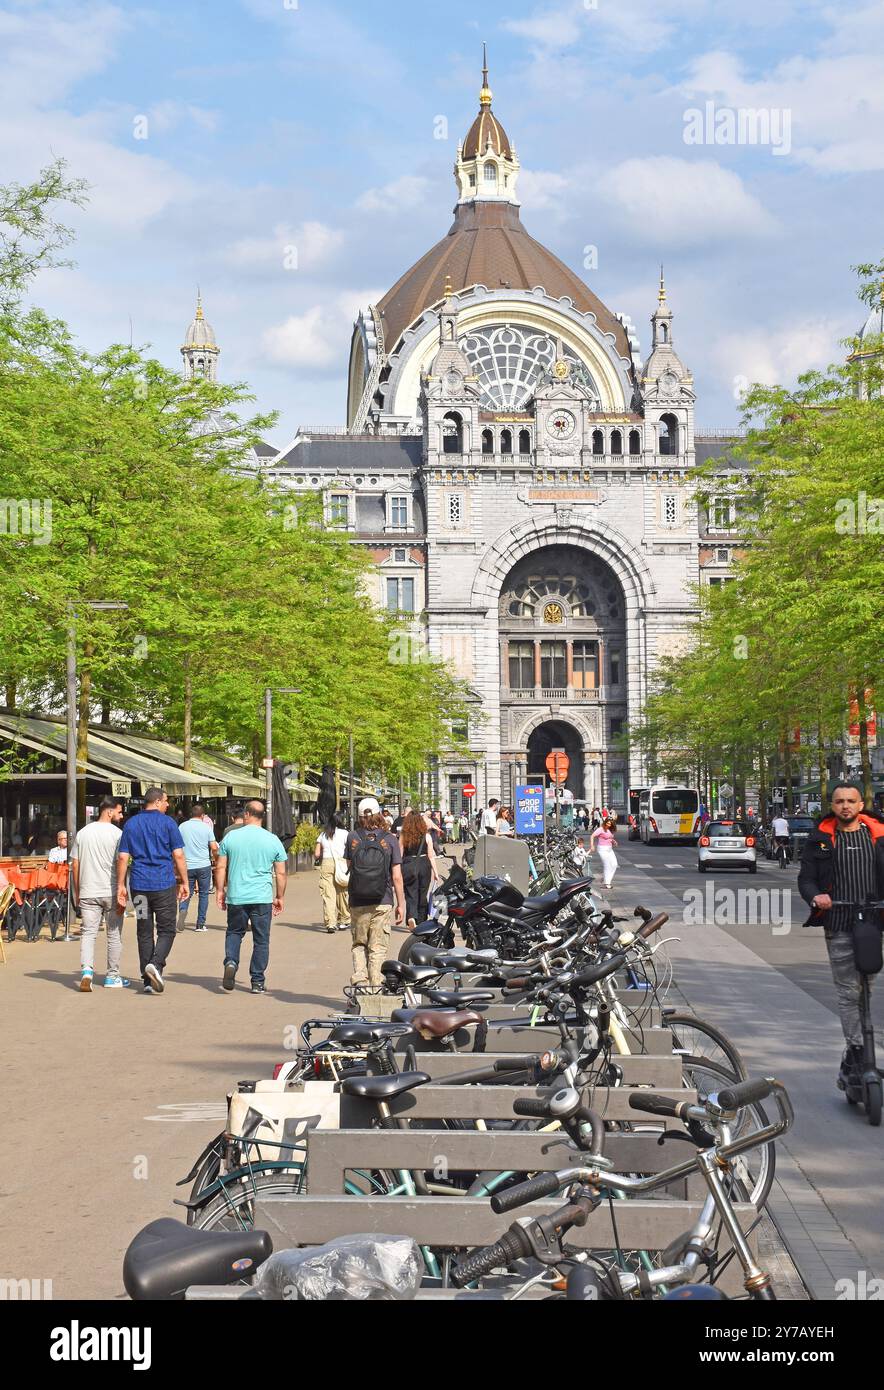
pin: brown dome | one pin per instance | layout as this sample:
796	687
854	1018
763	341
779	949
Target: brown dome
486	127
487	245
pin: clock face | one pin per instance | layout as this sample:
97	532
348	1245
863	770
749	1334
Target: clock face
453	380
561	424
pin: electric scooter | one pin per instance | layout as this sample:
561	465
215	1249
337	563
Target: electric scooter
867	934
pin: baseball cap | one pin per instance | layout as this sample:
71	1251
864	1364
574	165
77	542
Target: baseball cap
368	806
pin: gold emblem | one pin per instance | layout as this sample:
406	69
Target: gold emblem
553	613
562	368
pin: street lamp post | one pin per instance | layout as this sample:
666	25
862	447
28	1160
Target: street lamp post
98	606
269	692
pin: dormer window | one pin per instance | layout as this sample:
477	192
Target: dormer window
491	173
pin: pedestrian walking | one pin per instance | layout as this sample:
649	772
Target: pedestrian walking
488	817
330	854
504	824
94	874
250	879
200	848
237	819
448	824
375	861
843	860
151	842
604	840
419	871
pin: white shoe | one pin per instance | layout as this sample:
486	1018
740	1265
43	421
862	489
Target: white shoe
155	978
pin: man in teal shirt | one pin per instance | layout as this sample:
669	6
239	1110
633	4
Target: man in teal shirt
250	879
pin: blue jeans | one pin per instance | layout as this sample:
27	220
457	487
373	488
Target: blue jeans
239	917
199	879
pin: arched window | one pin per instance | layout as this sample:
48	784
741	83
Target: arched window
452	433
524	441
616	443
668	435
506	441
491	173
635	442
487	441
598	442
664	333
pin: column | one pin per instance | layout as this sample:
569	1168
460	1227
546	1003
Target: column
569	664
603	675
537	665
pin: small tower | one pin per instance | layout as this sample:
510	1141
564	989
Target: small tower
667	386
200	351
449	390
870	344
486	167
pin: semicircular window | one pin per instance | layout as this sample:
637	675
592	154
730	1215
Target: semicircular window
581	584
510	358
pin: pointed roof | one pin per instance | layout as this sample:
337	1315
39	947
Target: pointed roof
486	128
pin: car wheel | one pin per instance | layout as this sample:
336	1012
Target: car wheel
701	867
753	868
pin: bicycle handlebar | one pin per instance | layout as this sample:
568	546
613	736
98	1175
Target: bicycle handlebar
653	924
651	1104
543	1185
747	1092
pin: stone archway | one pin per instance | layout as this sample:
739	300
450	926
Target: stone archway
550	735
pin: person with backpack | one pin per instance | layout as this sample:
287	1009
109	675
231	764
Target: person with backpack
375	861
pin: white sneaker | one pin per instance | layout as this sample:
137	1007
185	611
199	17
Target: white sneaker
155	978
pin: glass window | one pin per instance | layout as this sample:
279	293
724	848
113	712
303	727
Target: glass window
721	514
339	509
673	801
586	665
392	595
521	665
510	358
407	591
399	511
400	555
615	668
553	665
491	173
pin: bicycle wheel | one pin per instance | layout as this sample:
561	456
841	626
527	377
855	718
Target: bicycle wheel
697	1038
233	1208
752	1173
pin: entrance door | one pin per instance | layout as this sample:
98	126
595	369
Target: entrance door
557	734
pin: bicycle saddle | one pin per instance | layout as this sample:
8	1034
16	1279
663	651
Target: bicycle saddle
409	974
167	1257
383	1087
459	998
362	1034
437	1023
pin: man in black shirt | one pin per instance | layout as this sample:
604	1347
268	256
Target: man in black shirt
843	860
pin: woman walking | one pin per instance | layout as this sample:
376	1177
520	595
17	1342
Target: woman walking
504	821
603	839
418	866
328	854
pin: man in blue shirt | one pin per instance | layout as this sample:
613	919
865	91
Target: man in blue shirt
152	843
250	878
200	849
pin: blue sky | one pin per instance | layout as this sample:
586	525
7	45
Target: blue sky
273	125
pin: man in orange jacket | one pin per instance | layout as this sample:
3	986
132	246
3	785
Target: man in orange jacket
843	860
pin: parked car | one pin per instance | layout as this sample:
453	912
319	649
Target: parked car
727	844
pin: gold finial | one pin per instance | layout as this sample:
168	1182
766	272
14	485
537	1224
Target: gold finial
199	304
661	297
449	288
485	94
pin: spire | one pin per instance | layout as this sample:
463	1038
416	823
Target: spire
661	297
199	305
485	94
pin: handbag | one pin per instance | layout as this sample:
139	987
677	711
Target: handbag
342	873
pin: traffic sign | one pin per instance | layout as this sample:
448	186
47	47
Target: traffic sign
529	810
557	765
468	790
725	790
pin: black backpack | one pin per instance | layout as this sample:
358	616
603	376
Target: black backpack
369	870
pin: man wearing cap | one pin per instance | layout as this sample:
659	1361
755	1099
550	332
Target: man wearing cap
375	861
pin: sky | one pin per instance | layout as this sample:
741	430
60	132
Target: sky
285	156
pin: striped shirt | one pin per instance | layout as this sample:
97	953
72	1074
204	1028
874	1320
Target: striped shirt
853	875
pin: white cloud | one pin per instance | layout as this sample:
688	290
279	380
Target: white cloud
409	191
777	354
167	116
307	247
47	49
681	203
836	101
319	338
543	189
622	23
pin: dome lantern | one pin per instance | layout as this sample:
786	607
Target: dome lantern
200	351
486	168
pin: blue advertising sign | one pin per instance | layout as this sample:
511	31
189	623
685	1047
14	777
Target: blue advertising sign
529	810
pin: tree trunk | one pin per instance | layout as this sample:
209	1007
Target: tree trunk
787	758
105	710
822	767
762	784
865	758
11	692
83	708
188	716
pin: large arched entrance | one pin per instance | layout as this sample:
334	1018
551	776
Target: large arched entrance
546	739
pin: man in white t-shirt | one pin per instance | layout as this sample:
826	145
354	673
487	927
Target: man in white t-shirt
779	830
94	867
489	817
59	852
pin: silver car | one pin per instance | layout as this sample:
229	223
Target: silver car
726	844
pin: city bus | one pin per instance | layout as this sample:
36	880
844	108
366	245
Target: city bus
635	795
669	813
